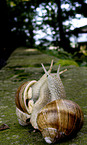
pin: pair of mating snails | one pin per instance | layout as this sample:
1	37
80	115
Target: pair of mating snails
42	103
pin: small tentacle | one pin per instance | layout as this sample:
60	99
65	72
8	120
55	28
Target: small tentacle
49	71
50	67
58	71
45	70
63	71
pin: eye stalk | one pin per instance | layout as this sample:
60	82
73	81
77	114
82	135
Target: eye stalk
45	70
47	73
58	71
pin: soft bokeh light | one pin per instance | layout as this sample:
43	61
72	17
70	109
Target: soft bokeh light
76	23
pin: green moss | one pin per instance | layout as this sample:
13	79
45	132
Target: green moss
66	62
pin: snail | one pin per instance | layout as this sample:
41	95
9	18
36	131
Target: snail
42	103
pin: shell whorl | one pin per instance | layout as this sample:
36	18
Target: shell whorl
24	102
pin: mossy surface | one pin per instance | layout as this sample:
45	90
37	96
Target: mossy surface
24	65
66	62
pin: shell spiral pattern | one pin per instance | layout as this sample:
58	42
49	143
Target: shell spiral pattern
24	102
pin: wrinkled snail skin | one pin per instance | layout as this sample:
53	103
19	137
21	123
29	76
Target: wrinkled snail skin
43	99
59	119
55	85
38	85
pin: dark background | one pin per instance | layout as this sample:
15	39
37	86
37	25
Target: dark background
19	16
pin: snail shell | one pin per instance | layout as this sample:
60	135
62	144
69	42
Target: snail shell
24	102
59	119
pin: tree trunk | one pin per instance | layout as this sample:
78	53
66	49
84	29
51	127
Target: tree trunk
64	42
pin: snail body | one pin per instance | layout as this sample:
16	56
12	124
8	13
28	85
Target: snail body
42	103
60	119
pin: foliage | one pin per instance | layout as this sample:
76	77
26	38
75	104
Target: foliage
79	58
21	15
54	15
60	53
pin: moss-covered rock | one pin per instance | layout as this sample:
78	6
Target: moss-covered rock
24	65
66	62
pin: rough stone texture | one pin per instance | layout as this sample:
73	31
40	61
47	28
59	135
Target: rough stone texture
23	65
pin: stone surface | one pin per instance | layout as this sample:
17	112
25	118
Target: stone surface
23	65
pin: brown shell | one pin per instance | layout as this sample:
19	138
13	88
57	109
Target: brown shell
59	119
24	102
19	95
24	96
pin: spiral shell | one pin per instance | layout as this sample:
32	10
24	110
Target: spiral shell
59	119
24	102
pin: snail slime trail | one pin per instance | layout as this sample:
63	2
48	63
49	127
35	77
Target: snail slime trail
45	100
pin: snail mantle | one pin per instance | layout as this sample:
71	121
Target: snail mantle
43	103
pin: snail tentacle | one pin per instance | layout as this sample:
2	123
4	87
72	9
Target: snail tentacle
58	71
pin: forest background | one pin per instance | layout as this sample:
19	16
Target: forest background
21	21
